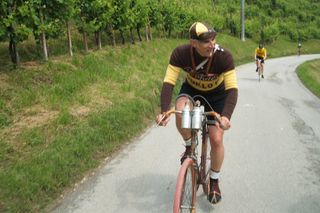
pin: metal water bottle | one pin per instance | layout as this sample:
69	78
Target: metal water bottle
186	117
196	118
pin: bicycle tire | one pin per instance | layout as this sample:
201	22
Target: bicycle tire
185	194
205	163
259	71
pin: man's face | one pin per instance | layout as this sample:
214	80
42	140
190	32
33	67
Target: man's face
204	48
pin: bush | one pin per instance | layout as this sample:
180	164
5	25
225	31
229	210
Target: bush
270	33
314	33
252	28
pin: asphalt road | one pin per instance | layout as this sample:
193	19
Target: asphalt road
272	160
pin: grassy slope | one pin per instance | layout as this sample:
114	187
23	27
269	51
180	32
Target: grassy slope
60	119
309	73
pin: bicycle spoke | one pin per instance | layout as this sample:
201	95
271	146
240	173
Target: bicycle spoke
186	203
205	163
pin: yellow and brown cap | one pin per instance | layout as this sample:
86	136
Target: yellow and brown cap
201	31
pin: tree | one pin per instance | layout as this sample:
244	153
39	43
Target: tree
155	18
37	22
47	23
102	12
121	17
94	17
169	12
141	12
13	26
84	21
62	10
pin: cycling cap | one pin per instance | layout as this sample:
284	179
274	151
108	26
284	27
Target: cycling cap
201	31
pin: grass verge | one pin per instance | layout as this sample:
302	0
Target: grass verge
309	73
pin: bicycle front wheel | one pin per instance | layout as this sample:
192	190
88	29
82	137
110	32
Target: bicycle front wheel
259	74
185	194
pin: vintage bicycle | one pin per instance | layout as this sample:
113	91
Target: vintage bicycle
194	170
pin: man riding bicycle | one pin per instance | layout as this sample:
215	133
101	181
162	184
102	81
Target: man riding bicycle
260	55
210	72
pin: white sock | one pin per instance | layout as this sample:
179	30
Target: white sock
188	142
214	175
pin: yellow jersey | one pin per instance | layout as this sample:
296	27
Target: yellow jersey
262	53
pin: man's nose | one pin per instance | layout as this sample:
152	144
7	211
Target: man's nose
212	44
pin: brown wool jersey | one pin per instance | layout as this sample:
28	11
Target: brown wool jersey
214	75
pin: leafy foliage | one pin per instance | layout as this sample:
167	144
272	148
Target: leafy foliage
297	19
265	20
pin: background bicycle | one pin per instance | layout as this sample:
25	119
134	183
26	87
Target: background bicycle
259	69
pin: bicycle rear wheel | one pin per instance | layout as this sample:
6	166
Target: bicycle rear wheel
185	194
205	164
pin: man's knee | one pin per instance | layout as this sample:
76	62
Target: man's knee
182	100
216	141
216	136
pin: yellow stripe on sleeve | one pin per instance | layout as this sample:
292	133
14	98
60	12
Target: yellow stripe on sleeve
230	80
172	74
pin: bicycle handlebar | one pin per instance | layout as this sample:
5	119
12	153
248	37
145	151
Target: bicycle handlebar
216	116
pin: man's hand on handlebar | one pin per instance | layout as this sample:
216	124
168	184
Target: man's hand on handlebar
224	123
162	119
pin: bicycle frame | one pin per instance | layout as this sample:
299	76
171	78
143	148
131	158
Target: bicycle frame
191	173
